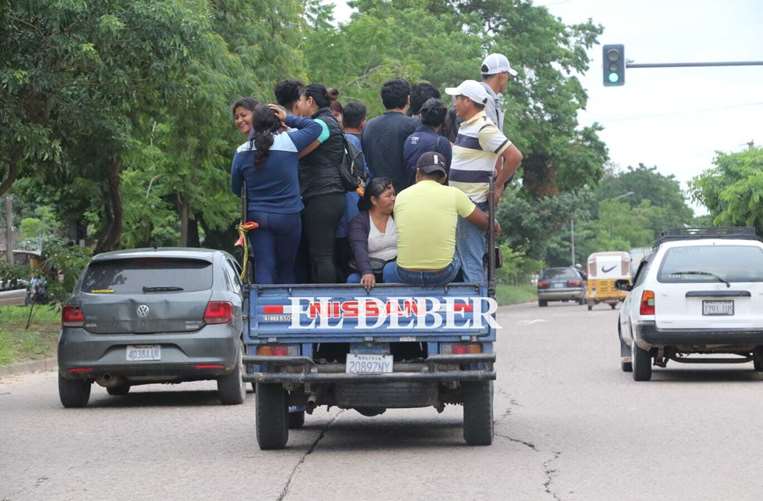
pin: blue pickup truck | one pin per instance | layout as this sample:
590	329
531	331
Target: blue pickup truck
395	346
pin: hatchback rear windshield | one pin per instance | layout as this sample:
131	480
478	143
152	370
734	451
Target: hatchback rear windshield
705	263
560	273
147	275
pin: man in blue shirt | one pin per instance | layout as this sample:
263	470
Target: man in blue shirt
426	137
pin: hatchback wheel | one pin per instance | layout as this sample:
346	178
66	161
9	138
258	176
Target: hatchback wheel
231	389
73	392
120	389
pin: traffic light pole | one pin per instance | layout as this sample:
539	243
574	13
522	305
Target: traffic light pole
693	65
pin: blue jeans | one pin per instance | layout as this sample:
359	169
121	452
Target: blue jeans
471	243
354	278
274	246
400	275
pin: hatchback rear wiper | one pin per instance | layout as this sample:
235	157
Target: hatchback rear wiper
168	288
704	273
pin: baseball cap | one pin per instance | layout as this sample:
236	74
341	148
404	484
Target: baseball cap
497	63
471	89
431	162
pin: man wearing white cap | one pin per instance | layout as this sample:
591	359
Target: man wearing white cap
480	151
496	73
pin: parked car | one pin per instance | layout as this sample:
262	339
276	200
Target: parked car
144	316
700	292
561	284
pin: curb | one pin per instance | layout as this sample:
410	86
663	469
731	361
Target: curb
45	364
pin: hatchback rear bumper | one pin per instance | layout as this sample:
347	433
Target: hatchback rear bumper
649	336
204	354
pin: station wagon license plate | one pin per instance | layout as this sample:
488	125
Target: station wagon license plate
368	364
144	352
718	308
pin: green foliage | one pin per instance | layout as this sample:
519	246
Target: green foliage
18	343
733	190
515	294
63	266
517	267
11	275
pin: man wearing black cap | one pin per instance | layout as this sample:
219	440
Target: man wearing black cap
426	215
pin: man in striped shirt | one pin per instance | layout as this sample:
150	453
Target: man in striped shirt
479	152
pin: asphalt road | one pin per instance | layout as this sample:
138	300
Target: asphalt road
570	426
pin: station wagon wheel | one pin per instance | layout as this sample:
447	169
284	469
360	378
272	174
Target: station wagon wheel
73	392
271	411
642	363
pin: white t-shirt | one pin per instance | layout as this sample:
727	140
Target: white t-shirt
382	245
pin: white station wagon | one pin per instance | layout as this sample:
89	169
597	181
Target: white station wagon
699	292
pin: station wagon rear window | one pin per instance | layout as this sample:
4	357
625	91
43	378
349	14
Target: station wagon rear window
147	275
559	273
708	263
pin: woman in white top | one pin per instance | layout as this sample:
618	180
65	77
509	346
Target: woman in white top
372	233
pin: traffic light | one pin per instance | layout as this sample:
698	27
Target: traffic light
614	64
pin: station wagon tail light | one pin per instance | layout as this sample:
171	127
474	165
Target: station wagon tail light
218	312
278	350
647	303
543	284
460	348
72	316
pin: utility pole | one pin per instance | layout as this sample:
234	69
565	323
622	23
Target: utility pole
9	229
572	239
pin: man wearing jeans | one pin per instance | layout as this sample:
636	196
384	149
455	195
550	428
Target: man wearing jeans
426	215
480	151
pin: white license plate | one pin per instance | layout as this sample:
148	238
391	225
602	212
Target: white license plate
558	286
368	364
718	308
143	352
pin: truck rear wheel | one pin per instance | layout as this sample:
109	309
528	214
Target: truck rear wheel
478	412
272	414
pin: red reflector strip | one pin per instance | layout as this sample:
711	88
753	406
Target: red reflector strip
272	309
209	366
465	307
80	370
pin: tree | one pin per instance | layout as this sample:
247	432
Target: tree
732	190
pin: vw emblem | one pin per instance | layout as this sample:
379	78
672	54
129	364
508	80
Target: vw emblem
143	310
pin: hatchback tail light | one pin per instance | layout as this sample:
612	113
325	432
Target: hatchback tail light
544	284
647	303
218	312
574	283
72	316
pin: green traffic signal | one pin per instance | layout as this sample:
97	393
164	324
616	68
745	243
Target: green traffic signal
613	58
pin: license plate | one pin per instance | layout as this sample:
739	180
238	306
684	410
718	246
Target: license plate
557	286
143	352
368	364
718	308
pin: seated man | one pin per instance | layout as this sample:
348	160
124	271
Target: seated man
426	215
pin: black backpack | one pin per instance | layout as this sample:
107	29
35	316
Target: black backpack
351	169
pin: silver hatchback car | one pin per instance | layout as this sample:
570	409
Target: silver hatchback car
143	316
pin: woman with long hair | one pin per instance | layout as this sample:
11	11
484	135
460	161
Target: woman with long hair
373	235
267	165
243	114
321	185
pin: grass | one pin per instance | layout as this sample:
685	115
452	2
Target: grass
515	294
18	344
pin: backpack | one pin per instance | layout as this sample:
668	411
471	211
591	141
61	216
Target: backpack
351	169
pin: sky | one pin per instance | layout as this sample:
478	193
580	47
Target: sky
672	118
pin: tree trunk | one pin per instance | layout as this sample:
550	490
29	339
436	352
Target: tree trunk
193	232
13	172
184	210
113	233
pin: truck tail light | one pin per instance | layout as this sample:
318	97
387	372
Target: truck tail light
647	303
72	316
460	348
278	350
218	312
544	284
